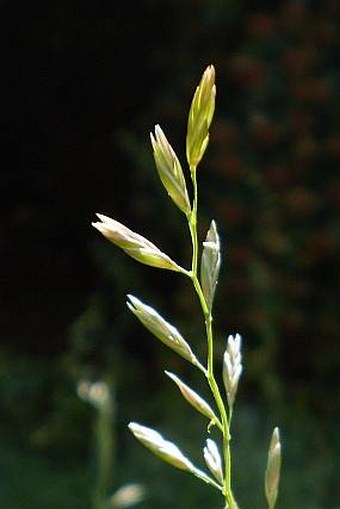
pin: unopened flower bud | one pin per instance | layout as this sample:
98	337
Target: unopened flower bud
210	264
232	367
134	244
272	476
213	459
160	328
200	117
166	450
169	452
193	398
170	170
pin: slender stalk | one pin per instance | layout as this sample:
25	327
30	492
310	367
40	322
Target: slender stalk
105	451
192	221
227	491
208	319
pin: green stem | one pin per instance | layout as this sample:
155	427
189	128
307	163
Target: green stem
192	222
227	491
104	446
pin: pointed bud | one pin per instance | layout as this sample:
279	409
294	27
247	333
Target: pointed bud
200	117
162	329
170	170
272	476
193	398
166	450
232	367
134	244
210	264
213	460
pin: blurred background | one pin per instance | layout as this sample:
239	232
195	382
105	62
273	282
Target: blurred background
83	84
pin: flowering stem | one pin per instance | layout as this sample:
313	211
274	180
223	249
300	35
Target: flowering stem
192	220
105	446
208	319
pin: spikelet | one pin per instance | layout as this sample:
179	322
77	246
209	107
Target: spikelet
134	244
272	476
232	367
200	117
170	170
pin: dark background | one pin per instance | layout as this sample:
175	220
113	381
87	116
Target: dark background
83	84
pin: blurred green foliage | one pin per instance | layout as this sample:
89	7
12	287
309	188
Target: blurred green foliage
59	469
272	183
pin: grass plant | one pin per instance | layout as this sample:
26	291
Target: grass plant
203	274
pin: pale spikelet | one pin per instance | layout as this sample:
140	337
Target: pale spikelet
166	450
134	244
127	496
210	264
200	117
160	328
169	452
272	476
232	367
193	398
213	460
96	393
170	170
